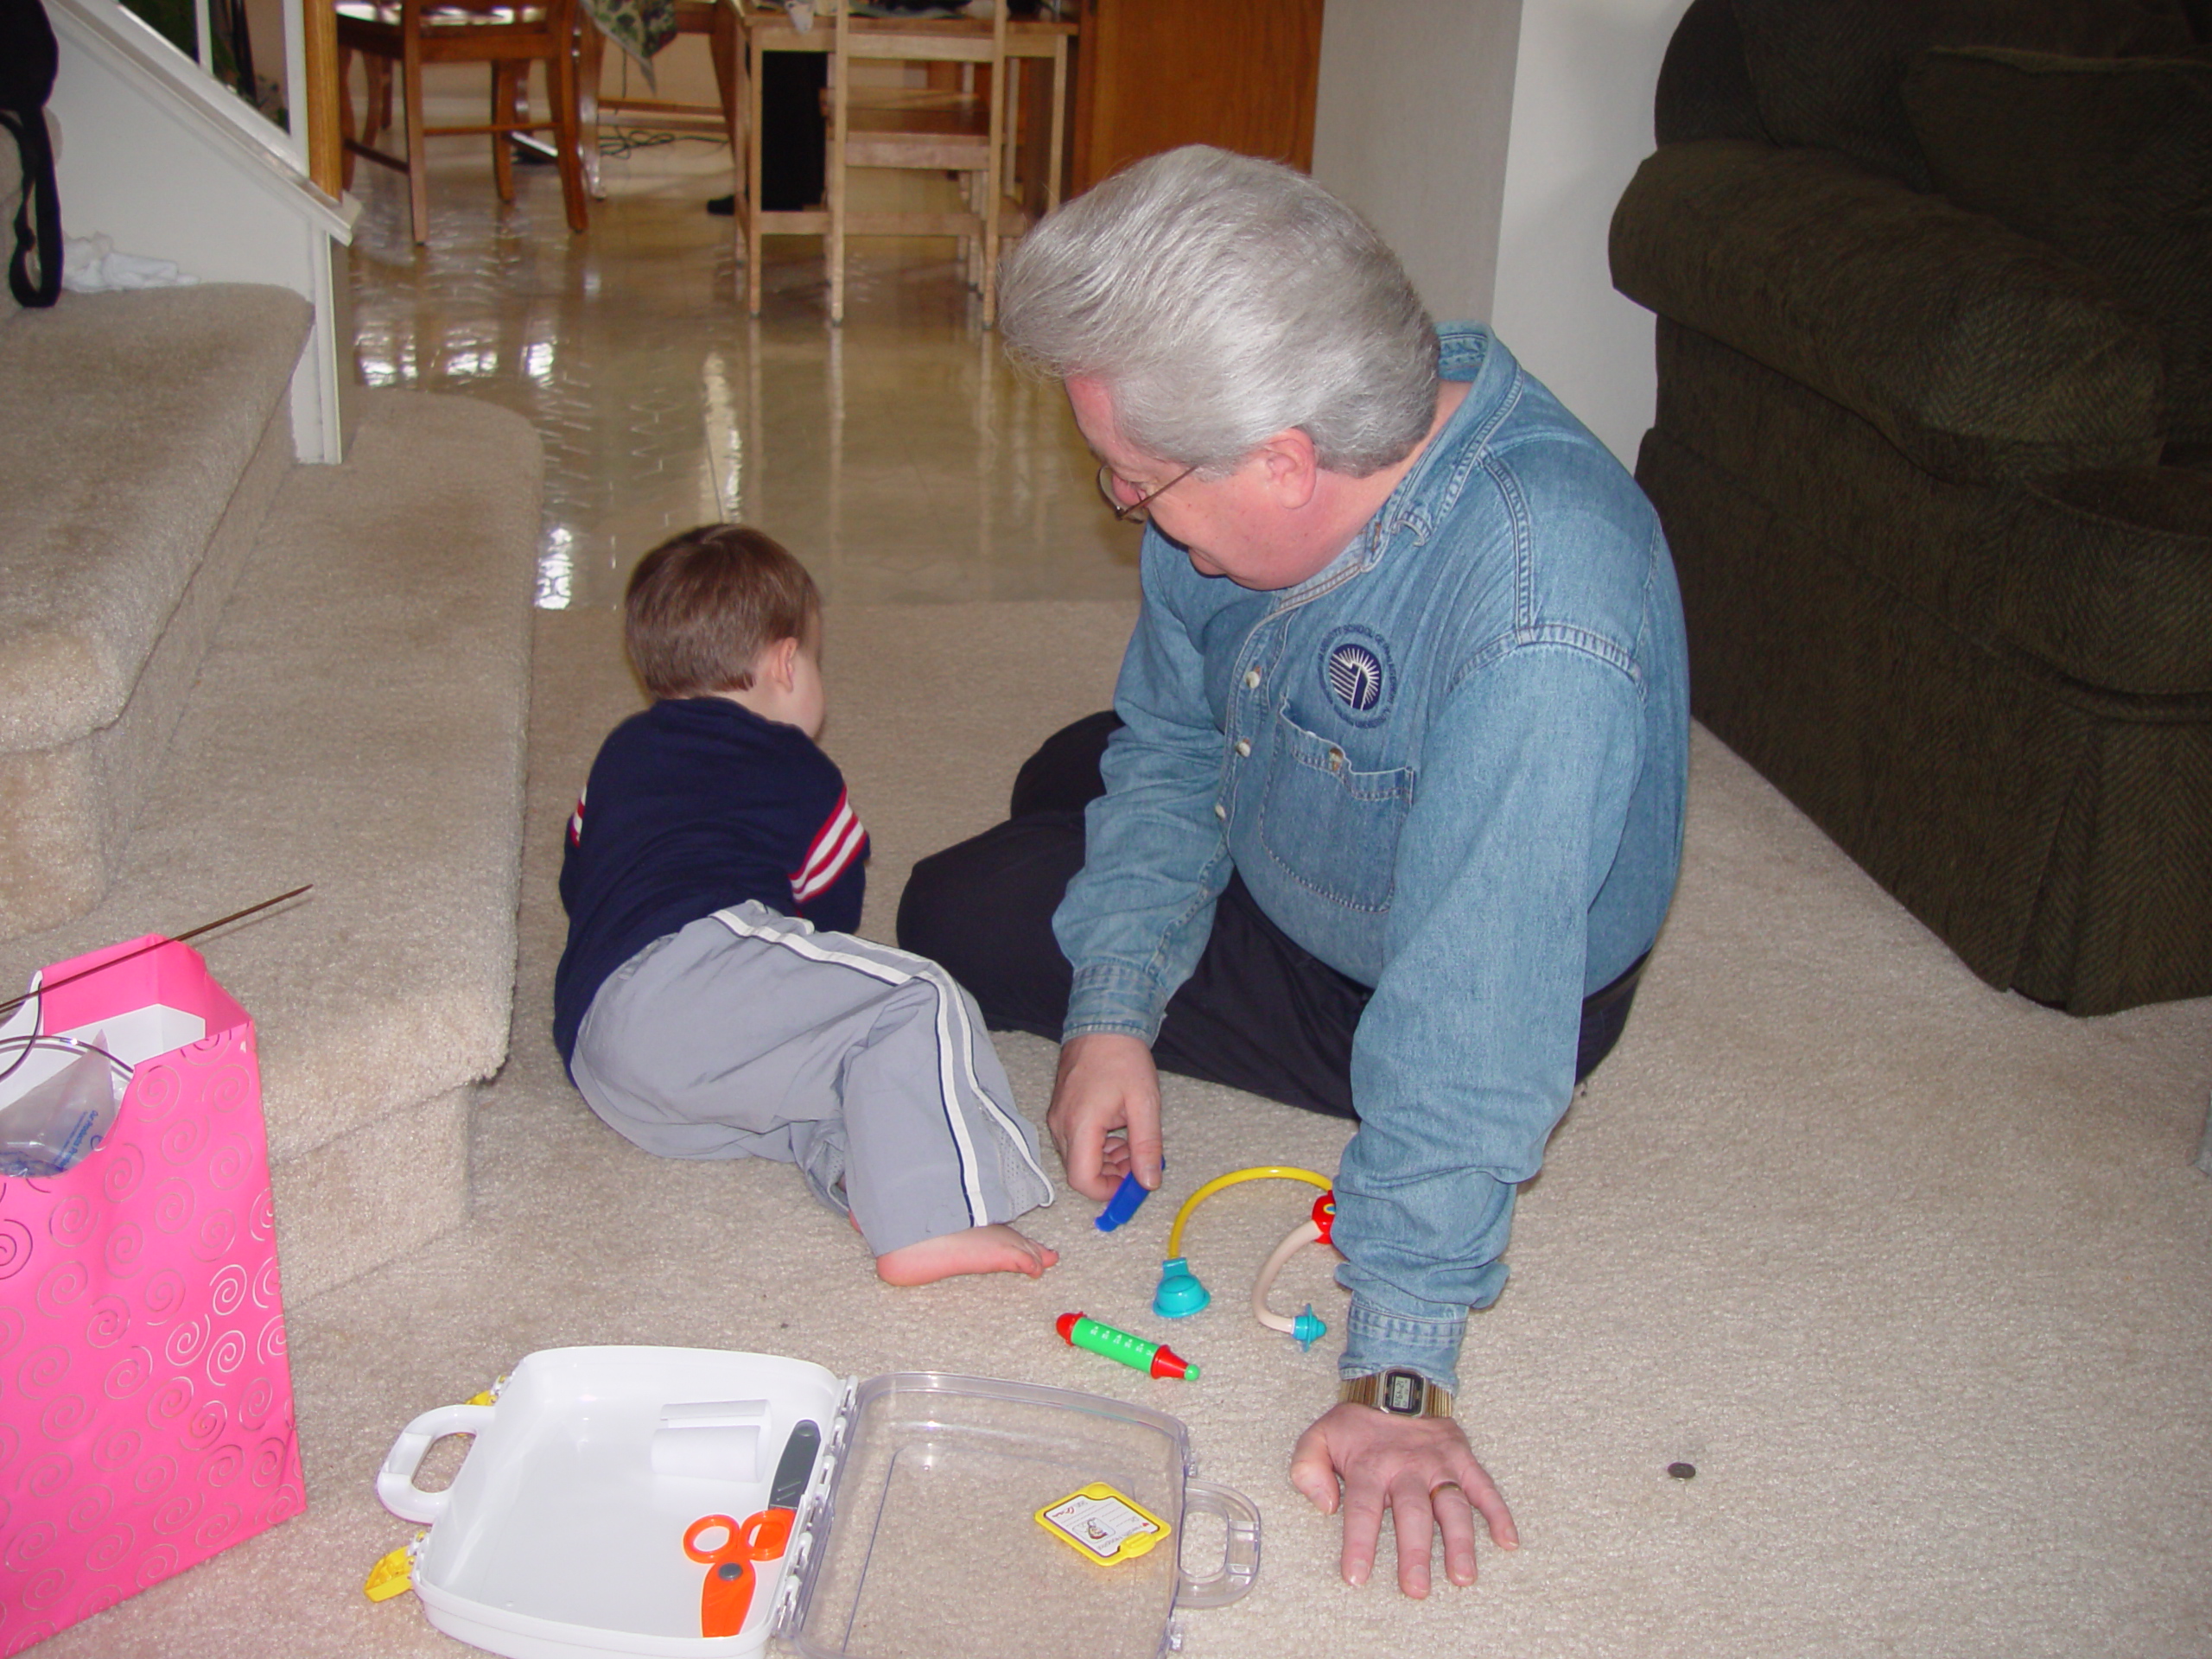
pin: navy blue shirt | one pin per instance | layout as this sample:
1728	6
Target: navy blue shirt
694	805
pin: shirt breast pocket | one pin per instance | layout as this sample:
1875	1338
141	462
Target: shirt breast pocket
1332	828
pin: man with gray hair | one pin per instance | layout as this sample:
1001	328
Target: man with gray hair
1389	806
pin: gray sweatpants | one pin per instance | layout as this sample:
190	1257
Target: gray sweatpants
749	1034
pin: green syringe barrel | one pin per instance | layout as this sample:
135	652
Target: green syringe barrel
1153	1359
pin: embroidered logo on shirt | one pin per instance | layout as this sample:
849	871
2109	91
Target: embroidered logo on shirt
841	841
1356	677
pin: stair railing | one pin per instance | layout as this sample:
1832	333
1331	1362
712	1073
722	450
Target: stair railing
305	140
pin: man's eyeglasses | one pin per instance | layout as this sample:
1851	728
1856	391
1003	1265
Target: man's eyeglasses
1111	484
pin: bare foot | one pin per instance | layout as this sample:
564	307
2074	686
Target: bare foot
994	1248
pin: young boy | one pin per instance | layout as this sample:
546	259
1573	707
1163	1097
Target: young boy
712	1001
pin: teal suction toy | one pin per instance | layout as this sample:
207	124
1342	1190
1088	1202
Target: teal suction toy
1179	1294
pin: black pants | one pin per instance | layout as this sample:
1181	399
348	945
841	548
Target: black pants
1258	1013
791	160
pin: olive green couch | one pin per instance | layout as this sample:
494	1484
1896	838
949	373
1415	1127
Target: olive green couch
1934	450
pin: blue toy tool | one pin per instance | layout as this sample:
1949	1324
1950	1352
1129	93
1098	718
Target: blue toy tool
1128	1196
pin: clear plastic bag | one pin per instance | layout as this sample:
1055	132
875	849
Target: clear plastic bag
52	1125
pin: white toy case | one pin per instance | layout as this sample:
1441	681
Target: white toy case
563	1535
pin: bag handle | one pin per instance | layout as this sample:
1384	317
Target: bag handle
395	1487
40	207
1240	1550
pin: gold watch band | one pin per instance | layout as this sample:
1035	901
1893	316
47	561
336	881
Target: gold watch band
1402	1394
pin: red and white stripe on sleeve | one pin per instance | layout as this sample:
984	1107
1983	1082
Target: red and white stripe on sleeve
576	818
841	841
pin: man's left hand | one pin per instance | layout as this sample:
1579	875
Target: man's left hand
1419	1468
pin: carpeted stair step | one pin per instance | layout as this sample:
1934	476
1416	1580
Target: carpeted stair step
141	438
357	723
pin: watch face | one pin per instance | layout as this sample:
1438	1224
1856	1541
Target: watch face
1402	1393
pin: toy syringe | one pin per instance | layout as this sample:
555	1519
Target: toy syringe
1154	1358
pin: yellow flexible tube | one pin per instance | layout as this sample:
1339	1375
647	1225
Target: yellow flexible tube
1261	1172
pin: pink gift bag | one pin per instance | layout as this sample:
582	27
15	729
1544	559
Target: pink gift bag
145	1392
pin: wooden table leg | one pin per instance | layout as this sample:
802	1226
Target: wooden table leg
591	58
748	189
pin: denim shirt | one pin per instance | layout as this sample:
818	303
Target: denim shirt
1451	765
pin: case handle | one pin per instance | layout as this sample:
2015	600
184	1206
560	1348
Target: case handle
1240	1553
395	1487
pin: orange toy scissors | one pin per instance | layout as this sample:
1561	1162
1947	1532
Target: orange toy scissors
726	1596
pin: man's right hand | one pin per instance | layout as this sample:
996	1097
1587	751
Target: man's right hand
1107	1081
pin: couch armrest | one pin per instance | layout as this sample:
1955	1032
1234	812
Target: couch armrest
1980	353
2107	578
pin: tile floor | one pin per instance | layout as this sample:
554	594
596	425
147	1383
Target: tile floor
900	456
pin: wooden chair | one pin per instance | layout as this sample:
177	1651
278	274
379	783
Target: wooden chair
990	55
717	20
508	37
958	130
1035	122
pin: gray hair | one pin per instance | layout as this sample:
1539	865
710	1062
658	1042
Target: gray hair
1220	300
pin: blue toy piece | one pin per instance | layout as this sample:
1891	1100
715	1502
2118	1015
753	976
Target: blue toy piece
1308	1328
1128	1196
1180	1295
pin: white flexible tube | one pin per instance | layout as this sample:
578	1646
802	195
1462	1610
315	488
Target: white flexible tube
1306	1232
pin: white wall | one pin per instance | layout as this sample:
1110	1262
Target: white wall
1581	122
137	163
1410	126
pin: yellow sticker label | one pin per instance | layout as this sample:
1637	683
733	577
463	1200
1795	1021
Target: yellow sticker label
1103	1525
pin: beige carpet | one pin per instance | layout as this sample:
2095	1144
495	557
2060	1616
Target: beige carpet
1918	1275
143	436
357	724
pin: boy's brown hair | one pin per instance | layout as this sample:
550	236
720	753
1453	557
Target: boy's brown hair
703	605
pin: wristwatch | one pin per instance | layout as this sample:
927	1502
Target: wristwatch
1403	1394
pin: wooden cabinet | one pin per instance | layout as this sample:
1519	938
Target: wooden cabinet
1151	74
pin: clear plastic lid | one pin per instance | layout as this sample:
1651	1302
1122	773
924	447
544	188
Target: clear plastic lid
930	1548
